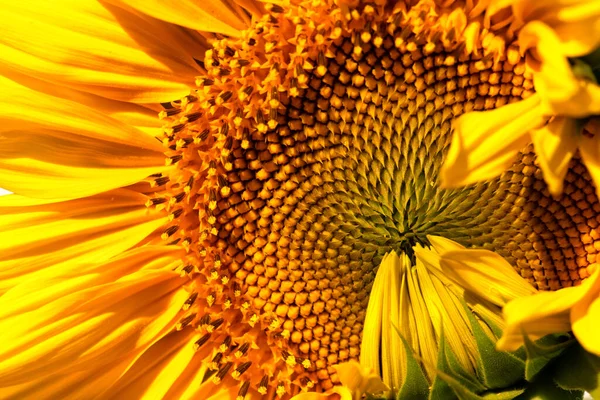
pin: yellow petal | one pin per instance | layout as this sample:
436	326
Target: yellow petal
358	379
425	332
485	273
159	368
40	238
575	22
561	91
494	6
543	313
49	286
93	326
25	108
381	344
256	8
56	148
78	385
585	322
43	179
370	345
555	144
386	281
219	16
142	117
97	48
393	366
486	143
590	153
407	324
442	245
336	393
446	315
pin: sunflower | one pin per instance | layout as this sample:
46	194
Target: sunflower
209	196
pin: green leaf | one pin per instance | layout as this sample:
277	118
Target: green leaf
578	370
541	352
415	385
498	369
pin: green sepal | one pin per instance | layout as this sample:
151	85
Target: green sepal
545	388
577	369
542	351
498	369
504	395
495	328
449	365
453	382
583	69
416	385
462	393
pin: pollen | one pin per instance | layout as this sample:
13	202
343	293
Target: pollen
311	148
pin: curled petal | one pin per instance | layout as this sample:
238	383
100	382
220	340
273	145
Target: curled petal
485	273
545	312
585	322
590	152
555	144
359	379
486	143
576	23
380	346
562	92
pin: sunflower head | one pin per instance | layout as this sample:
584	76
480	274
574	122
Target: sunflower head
311	149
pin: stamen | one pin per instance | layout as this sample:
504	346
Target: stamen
225	345
216	323
188	303
170	231
242	350
161	181
262	386
185	322
155	201
200	342
241	369
222	372
216	361
205	320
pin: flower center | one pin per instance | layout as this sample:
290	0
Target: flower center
312	148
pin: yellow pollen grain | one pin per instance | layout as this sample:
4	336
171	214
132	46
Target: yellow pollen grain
280	390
